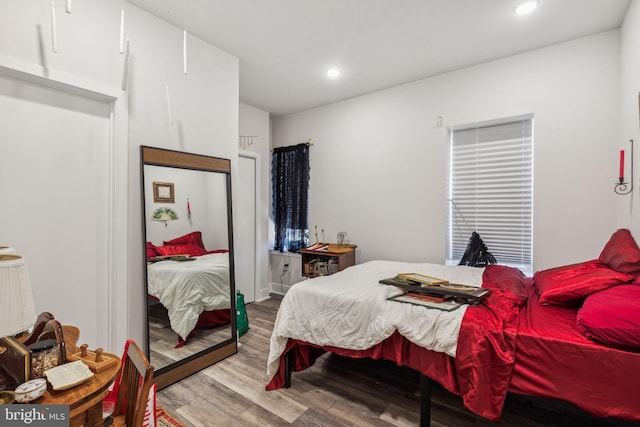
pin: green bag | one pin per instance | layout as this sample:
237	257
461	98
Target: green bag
242	321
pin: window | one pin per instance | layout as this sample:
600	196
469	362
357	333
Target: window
290	180
491	190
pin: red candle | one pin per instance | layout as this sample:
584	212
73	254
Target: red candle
621	164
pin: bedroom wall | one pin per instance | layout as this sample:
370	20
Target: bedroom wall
378	163
204	109
629	206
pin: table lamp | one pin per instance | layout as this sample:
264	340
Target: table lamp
17	309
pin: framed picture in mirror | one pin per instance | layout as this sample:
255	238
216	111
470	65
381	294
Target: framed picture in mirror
163	192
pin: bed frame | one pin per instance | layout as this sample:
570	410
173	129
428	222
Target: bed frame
504	346
425	391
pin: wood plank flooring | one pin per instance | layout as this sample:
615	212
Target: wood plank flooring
163	339
336	391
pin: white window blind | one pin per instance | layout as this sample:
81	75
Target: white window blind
491	190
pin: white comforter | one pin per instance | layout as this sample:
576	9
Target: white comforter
350	310
187	288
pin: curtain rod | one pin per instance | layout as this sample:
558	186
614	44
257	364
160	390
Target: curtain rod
309	143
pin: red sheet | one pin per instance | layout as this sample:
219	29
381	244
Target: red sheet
553	360
533	351
485	357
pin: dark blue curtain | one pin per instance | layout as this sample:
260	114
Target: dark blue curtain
290	180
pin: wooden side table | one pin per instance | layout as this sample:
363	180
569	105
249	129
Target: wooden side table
342	256
84	400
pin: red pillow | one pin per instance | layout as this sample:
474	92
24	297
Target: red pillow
621	253
194	237
186	249
151	250
612	316
570	284
501	277
218	251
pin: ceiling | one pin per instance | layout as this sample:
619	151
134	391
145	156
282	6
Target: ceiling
285	47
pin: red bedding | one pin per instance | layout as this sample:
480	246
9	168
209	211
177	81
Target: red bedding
485	357
554	360
532	351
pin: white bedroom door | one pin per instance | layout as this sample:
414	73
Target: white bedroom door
245	233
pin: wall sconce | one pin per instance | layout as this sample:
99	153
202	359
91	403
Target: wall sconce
621	186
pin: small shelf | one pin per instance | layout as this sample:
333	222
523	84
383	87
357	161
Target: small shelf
329	261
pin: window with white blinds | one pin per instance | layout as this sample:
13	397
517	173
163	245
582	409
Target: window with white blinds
491	190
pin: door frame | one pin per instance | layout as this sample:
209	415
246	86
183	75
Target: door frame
256	203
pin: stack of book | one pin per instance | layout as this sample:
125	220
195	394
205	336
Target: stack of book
319	247
434	292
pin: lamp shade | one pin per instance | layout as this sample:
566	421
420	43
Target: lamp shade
6	250
17	309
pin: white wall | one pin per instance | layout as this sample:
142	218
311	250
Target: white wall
204	104
204	110
64	205
285	270
628	206
256	122
378	163
207	196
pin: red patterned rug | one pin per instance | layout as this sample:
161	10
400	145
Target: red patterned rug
164	419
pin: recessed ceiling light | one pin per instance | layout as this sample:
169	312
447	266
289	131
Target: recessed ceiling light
333	73
525	7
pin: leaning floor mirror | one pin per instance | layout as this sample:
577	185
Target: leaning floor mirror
189	275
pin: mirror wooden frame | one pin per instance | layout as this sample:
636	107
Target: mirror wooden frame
174	372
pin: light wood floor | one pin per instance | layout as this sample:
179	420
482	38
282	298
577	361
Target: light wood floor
162	339
336	391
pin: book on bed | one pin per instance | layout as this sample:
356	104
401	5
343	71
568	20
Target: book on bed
417	299
414	278
470	293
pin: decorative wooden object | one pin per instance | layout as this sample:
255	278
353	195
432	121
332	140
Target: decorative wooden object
96	360
85	400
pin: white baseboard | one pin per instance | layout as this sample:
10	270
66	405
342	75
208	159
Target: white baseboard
262	294
278	288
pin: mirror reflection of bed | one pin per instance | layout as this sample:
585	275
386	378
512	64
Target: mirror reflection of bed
189	261
162	338
188	301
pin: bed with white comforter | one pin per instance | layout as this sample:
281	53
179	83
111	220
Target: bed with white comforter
187	288
350	310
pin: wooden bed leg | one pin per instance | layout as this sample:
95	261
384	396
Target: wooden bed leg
425	401
287	369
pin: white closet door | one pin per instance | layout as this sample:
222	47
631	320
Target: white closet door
54	155
245	233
